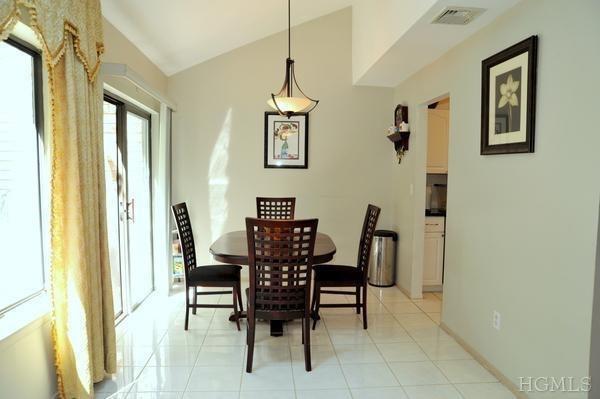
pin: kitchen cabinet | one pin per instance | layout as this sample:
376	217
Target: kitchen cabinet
438	127
433	259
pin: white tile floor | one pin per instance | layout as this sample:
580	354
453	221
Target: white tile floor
404	354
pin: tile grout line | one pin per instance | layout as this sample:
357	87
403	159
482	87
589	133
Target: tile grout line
338	359
433	361
292	366
185	389
429	357
242	371
385	360
421	348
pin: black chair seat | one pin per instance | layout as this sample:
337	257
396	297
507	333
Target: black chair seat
333	276
214	273
218	276
337	273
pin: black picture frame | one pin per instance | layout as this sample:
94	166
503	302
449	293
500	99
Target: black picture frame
528	46
303	120
399	111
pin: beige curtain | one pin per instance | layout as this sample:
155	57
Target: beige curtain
83	315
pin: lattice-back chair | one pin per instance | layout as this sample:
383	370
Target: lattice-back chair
348	276
281	208
204	276
280	255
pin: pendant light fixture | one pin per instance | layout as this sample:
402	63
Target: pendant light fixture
285	102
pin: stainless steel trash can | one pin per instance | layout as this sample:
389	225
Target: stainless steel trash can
382	265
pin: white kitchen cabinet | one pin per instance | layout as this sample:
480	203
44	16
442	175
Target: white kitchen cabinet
437	140
433	259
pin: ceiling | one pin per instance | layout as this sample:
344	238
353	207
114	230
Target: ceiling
423	42
177	34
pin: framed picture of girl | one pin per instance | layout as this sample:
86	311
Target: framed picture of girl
286	141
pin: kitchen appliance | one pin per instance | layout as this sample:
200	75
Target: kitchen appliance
436	198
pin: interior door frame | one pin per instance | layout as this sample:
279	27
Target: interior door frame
419	188
123	107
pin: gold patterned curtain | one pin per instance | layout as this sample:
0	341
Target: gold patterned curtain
82	305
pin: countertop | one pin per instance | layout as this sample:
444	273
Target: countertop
435	212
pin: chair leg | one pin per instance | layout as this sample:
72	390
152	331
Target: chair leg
314	299
195	290
187	307
317	293
239	297
358	300
251	330
364	306
247	333
236	312
306	342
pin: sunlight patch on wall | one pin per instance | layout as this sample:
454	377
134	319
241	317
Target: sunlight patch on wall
218	181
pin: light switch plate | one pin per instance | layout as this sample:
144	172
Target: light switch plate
496	320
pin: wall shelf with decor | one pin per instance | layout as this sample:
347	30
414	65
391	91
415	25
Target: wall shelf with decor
400	139
399	134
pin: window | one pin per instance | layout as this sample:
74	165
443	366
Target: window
21	123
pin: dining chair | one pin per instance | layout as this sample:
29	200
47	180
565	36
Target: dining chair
280	208
338	276
216	276
280	256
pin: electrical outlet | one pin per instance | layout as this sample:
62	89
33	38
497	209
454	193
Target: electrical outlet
496	320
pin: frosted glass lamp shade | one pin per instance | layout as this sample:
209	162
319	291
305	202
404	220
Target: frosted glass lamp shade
290	104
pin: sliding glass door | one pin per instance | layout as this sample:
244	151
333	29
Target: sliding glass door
139	211
128	203
112	169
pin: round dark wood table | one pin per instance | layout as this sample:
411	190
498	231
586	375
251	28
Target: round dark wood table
232	248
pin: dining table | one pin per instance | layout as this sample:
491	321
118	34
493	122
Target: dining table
232	248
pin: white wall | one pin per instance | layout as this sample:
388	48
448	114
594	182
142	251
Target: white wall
595	335
377	25
218	137
521	229
118	49
27	363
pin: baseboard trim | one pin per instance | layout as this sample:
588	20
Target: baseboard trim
483	361
404	290
432	288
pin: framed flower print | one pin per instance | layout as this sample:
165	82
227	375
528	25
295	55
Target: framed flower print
286	141
508	99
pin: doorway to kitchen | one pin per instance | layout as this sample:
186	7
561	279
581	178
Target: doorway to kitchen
128	203
438	127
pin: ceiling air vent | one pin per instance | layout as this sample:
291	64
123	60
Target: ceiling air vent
457	15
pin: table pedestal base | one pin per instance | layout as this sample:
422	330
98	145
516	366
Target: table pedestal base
276	328
276	325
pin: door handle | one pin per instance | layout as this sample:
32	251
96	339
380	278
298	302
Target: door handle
122	211
130	211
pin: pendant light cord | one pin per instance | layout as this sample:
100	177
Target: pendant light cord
289	30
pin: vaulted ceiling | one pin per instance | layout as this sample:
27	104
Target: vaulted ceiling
177	34
391	39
